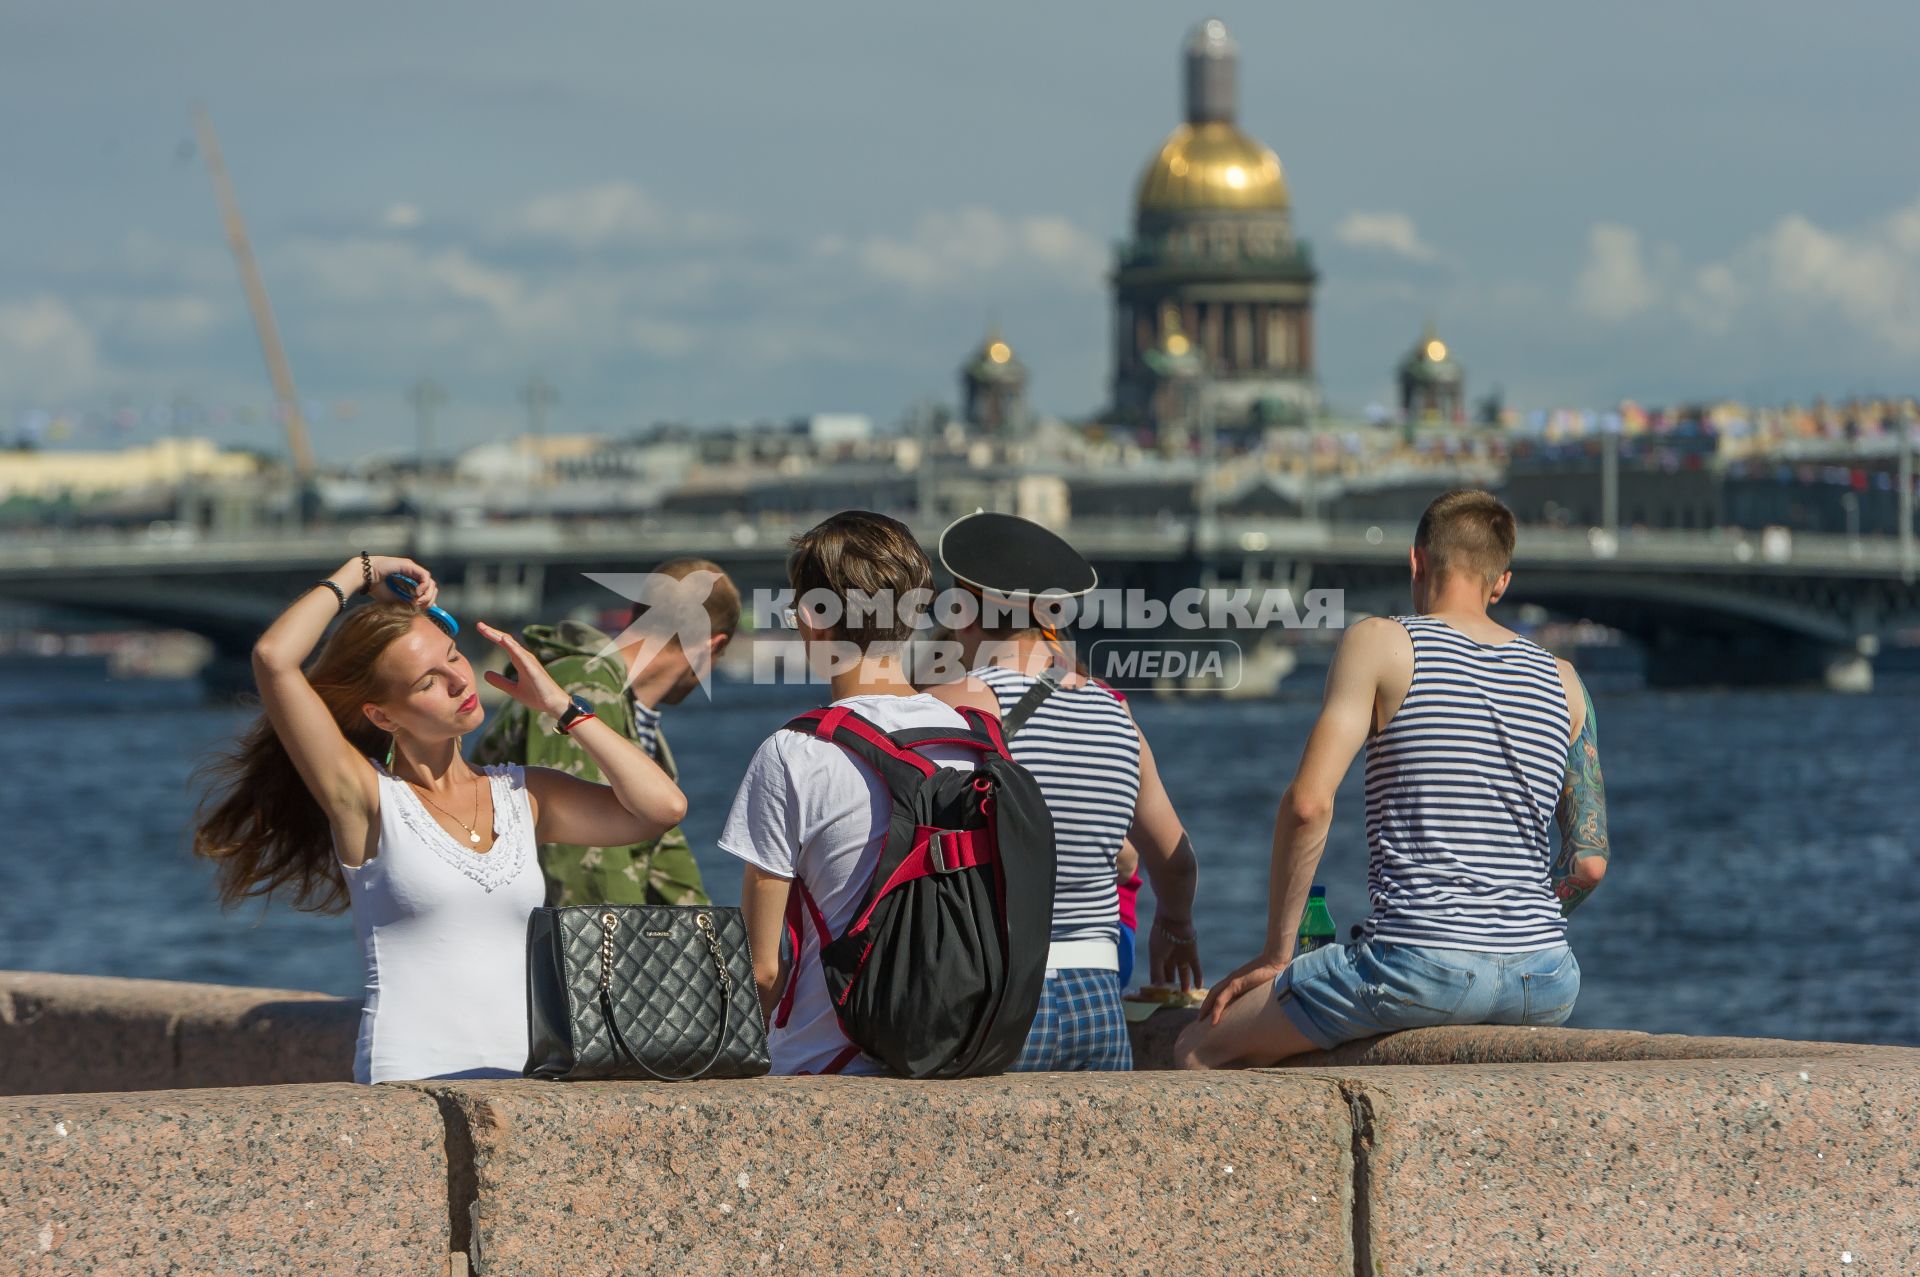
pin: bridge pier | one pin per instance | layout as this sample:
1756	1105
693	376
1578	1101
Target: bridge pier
1757	658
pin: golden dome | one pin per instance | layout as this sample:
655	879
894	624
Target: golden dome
1212	165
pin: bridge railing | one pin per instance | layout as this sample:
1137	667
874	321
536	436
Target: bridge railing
539	540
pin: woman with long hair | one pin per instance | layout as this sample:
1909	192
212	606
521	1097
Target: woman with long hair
351	791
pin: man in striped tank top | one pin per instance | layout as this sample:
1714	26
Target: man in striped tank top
1468	729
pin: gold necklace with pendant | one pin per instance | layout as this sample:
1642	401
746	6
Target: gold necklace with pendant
473	833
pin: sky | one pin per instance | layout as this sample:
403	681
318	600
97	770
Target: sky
763	210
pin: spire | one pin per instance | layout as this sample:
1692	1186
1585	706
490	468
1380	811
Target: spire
1212	58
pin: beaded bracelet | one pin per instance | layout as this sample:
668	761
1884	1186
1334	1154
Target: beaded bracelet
1179	935
338	593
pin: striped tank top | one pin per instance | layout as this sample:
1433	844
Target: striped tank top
1462	784
1083	749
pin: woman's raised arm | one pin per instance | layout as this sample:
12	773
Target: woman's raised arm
336	774
638	803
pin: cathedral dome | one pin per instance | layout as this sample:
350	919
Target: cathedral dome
1212	165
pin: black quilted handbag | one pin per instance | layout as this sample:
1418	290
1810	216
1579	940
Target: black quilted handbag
641	991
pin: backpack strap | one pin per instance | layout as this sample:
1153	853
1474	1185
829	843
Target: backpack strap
1046	685
984	737
921	737
990	727
901	768
934	851
801	909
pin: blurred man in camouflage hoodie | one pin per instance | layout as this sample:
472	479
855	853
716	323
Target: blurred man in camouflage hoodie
654	665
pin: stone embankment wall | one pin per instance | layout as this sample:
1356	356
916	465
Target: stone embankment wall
1442	1151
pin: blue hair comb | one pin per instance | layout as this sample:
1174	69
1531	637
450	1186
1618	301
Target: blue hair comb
406	585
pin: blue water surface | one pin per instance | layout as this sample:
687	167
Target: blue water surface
1763	881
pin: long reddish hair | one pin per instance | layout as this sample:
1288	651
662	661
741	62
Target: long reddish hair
257	820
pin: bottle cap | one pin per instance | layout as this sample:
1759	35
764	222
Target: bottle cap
1316	893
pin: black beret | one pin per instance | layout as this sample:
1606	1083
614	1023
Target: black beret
1013	557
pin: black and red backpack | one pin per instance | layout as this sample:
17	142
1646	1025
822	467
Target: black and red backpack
939	974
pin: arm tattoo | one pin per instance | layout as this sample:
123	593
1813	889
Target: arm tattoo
1582	813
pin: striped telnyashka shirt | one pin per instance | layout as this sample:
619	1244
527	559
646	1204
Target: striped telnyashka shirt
1083	749
1462	784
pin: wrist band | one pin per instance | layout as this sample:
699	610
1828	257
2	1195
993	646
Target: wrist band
566	728
366	571
338	593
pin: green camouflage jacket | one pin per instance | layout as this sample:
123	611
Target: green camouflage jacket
661	872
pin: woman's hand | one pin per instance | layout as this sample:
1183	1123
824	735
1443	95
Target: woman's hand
531	685
383	566
1173	954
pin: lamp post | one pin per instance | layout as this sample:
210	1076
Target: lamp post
924	492
427	396
1906	501
1610	481
539	395
1208	504
1309	485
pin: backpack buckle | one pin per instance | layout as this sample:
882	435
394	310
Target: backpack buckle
937	853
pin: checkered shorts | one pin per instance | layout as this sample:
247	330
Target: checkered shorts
1079	1026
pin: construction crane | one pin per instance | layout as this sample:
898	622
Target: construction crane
263	322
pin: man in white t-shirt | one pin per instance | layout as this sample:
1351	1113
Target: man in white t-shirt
808	809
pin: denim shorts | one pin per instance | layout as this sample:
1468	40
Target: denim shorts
1343	992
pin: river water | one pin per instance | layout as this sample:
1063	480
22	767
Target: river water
1763	879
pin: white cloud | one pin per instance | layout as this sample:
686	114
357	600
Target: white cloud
1388	233
1796	272
731	309
370	271
595	217
610	215
954	249
46	350
1615	283
1870	278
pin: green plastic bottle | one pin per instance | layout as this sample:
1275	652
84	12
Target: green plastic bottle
1316	925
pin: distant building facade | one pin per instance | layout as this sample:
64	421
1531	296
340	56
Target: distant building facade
1214	263
1433	385
993	388
163	463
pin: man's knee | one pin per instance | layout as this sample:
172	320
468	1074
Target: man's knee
1188	1048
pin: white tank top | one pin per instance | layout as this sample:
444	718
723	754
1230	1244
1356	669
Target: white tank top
443	939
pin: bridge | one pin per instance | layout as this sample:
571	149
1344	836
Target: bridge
1715	607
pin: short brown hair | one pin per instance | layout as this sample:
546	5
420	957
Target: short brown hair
1466	531
722	602
858	552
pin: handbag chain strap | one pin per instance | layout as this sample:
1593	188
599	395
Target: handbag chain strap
704	921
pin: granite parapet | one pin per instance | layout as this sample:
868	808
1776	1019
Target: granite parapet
311	1179
67	1034
1046	1173
1706	1167
1153	1040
